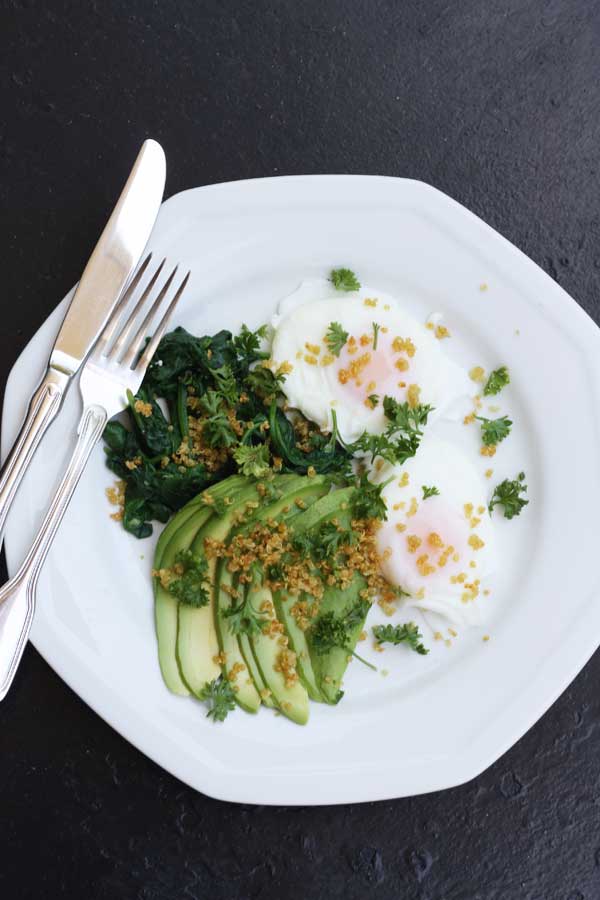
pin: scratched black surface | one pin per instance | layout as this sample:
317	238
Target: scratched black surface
497	103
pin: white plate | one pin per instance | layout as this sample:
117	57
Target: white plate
432	722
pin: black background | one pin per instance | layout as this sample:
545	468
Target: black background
496	102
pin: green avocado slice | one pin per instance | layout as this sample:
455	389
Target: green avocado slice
223	489
197	644
321	511
235	650
291	699
261	687
178	535
284	603
330	667
327	669
246	690
309	492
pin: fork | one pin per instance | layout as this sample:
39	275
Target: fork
116	366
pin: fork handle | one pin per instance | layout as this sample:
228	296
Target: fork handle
17	596
43	409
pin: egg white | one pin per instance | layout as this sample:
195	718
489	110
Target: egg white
315	386
457	515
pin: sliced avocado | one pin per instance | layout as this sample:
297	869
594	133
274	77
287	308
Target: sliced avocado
327	669
296	496
321	511
222	489
330	667
284	603
165	604
291	699
178	535
309	492
246	649
197	644
326	508
246	692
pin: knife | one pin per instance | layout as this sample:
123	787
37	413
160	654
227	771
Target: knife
105	276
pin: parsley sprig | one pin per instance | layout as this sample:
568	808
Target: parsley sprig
190	587
401	634
430	492
264	382
508	495
324	542
247	343
243	618
217	430
344	280
220	698
335	338
400	440
333	630
494	430
367	502
252	460
498	379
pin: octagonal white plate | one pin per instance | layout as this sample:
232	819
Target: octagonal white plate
432	722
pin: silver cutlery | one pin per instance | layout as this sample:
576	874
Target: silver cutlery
117	365
109	268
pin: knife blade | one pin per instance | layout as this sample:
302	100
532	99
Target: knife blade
113	260
105	276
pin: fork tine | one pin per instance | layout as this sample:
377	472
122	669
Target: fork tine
119	344
111	325
136	344
150	350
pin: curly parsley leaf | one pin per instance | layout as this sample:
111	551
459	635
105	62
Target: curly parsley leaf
367	501
218	431
344	280
401	634
335	338
243	618
394	449
508	495
494	430
226	384
247	343
264	382
498	379
405	417
333	630
252	460
189	585
323	542
400	441
220	698
429	492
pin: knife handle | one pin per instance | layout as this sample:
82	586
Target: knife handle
43	409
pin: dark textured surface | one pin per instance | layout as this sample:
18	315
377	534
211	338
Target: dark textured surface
497	103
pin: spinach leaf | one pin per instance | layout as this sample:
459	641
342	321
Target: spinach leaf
326	455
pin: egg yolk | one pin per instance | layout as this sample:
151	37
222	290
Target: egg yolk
429	547
361	370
